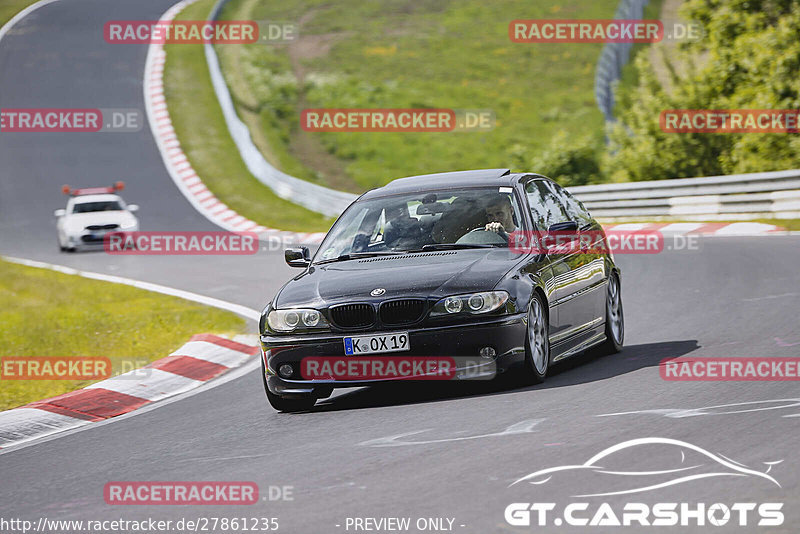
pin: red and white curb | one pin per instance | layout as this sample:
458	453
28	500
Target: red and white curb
176	162
204	357
741	229
185	371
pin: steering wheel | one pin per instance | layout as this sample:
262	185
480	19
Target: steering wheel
499	238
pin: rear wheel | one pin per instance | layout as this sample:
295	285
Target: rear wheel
537	342
615	319
282	404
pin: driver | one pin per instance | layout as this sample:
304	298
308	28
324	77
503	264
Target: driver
500	214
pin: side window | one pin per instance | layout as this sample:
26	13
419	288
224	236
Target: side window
536	203
575	210
545	206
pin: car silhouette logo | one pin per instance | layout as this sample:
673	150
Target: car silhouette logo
377	292
705	465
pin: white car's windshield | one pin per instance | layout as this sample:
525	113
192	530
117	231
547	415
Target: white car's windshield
105	205
478	217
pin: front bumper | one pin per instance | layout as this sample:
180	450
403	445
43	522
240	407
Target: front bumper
463	342
93	238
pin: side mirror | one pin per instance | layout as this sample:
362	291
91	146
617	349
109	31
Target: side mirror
562	238
297	257
133	207
60	213
565	227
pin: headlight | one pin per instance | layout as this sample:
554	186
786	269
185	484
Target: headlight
295	319
475	303
128	226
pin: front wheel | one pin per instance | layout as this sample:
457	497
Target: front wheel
537	342
615	319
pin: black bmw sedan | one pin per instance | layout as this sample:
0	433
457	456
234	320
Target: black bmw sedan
425	279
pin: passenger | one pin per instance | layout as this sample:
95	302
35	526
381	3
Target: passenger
400	226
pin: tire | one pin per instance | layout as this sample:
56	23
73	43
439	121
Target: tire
615	318
537	342
282	404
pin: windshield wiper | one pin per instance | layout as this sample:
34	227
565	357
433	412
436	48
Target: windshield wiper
358	255
451	246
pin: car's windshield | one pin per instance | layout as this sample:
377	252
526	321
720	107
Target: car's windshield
477	217
105	205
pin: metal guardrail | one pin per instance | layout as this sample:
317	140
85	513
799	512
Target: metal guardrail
743	196
613	58
312	196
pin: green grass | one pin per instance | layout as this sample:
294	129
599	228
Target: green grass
204	137
411	53
9	8
45	313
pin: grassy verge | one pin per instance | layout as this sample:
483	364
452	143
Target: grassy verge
412	54
9	8
200	126
52	314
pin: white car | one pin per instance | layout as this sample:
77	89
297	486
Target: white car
91	214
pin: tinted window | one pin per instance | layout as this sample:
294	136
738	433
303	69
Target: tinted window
412	220
546	209
87	207
574	209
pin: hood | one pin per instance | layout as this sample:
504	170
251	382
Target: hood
429	274
78	221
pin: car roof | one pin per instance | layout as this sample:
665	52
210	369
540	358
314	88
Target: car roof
446	180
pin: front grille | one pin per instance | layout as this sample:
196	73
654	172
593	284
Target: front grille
353	315
406	311
102	227
92	238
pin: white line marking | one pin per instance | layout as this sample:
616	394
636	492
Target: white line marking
21	15
244	311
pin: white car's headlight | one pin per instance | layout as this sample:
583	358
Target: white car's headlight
128	226
473	303
296	319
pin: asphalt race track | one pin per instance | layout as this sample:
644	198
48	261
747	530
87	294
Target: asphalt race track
422	453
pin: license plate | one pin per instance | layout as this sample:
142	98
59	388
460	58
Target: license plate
354	346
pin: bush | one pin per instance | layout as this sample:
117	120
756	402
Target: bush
749	59
570	162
